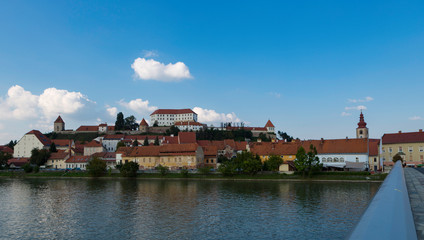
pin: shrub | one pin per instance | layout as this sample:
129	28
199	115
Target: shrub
129	169
27	168
163	170
96	167
36	169
184	172
205	170
227	168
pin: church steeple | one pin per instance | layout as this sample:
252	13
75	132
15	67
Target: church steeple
362	130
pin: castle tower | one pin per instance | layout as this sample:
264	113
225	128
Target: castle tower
362	130
143	126
270	127
59	125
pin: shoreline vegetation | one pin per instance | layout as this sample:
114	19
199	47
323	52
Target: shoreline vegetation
319	176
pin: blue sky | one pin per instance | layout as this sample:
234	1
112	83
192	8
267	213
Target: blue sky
303	64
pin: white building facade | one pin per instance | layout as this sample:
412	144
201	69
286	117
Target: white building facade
168	117
31	140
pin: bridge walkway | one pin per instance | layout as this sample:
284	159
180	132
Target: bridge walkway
414	179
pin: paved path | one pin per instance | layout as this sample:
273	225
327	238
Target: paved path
415	184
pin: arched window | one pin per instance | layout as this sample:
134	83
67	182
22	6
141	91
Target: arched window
324	159
329	159
341	159
336	159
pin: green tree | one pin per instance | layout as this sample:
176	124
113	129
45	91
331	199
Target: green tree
228	168
135	143
163	170
184	172
156	143
397	157
119	124
251	164
39	157
222	159
205	170
4	157
27	167
120	144
173	130
96	167
53	148
12	144
129	169
273	163
285	136
130	123
146	142
307	162
264	138
155	124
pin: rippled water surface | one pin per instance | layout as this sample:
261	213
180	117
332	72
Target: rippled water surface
179	209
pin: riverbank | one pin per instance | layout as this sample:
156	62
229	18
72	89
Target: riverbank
332	176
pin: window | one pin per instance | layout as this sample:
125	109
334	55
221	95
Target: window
421	149
329	159
360	131
357	159
390	149
336	159
324	159
400	149
375	159
410	149
341	159
383	149
211	160
421	157
207	161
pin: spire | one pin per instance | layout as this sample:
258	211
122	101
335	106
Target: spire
59	120
362	123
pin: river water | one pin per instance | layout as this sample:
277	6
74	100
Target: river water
179	209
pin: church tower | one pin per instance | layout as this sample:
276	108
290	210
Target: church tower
144	126
59	125
362	130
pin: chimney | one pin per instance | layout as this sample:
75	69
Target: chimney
347	138
420	130
322	140
400	131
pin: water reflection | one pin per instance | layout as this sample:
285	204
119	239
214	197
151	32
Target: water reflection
184	209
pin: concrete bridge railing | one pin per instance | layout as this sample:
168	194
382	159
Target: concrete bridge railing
389	214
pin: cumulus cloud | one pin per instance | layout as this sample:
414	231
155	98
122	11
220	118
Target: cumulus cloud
209	115
150	53
415	118
138	106
112	111
345	114
21	104
55	101
366	99
360	107
149	69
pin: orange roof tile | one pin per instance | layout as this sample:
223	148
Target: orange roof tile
144	123
172	111
60	154
78	159
43	139
407	137
186	137
88	129
269	124
59	120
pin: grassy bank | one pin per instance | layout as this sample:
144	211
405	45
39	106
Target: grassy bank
347	176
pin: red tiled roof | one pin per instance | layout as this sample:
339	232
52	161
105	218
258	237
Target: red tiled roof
142	137
93	144
88	129
354	145
78	159
269	124
172	111
145	151
188	123
126	151
59	120
114	137
61	142
43	139
178	149
60	154
144	123
18	161
186	137
373	147
279	149
6	149
103	125
408	137
105	155
170	140
210	151
241	146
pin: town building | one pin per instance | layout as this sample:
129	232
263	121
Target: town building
409	145
110	141
189	126
77	162
59	125
93	147
58	159
168	117
31	140
374	156
268	130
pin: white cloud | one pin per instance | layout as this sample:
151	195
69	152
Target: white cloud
345	114
150	53
19	104
360	107
415	118
209	115
113	111
138	105
366	99
55	101
149	69
275	94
